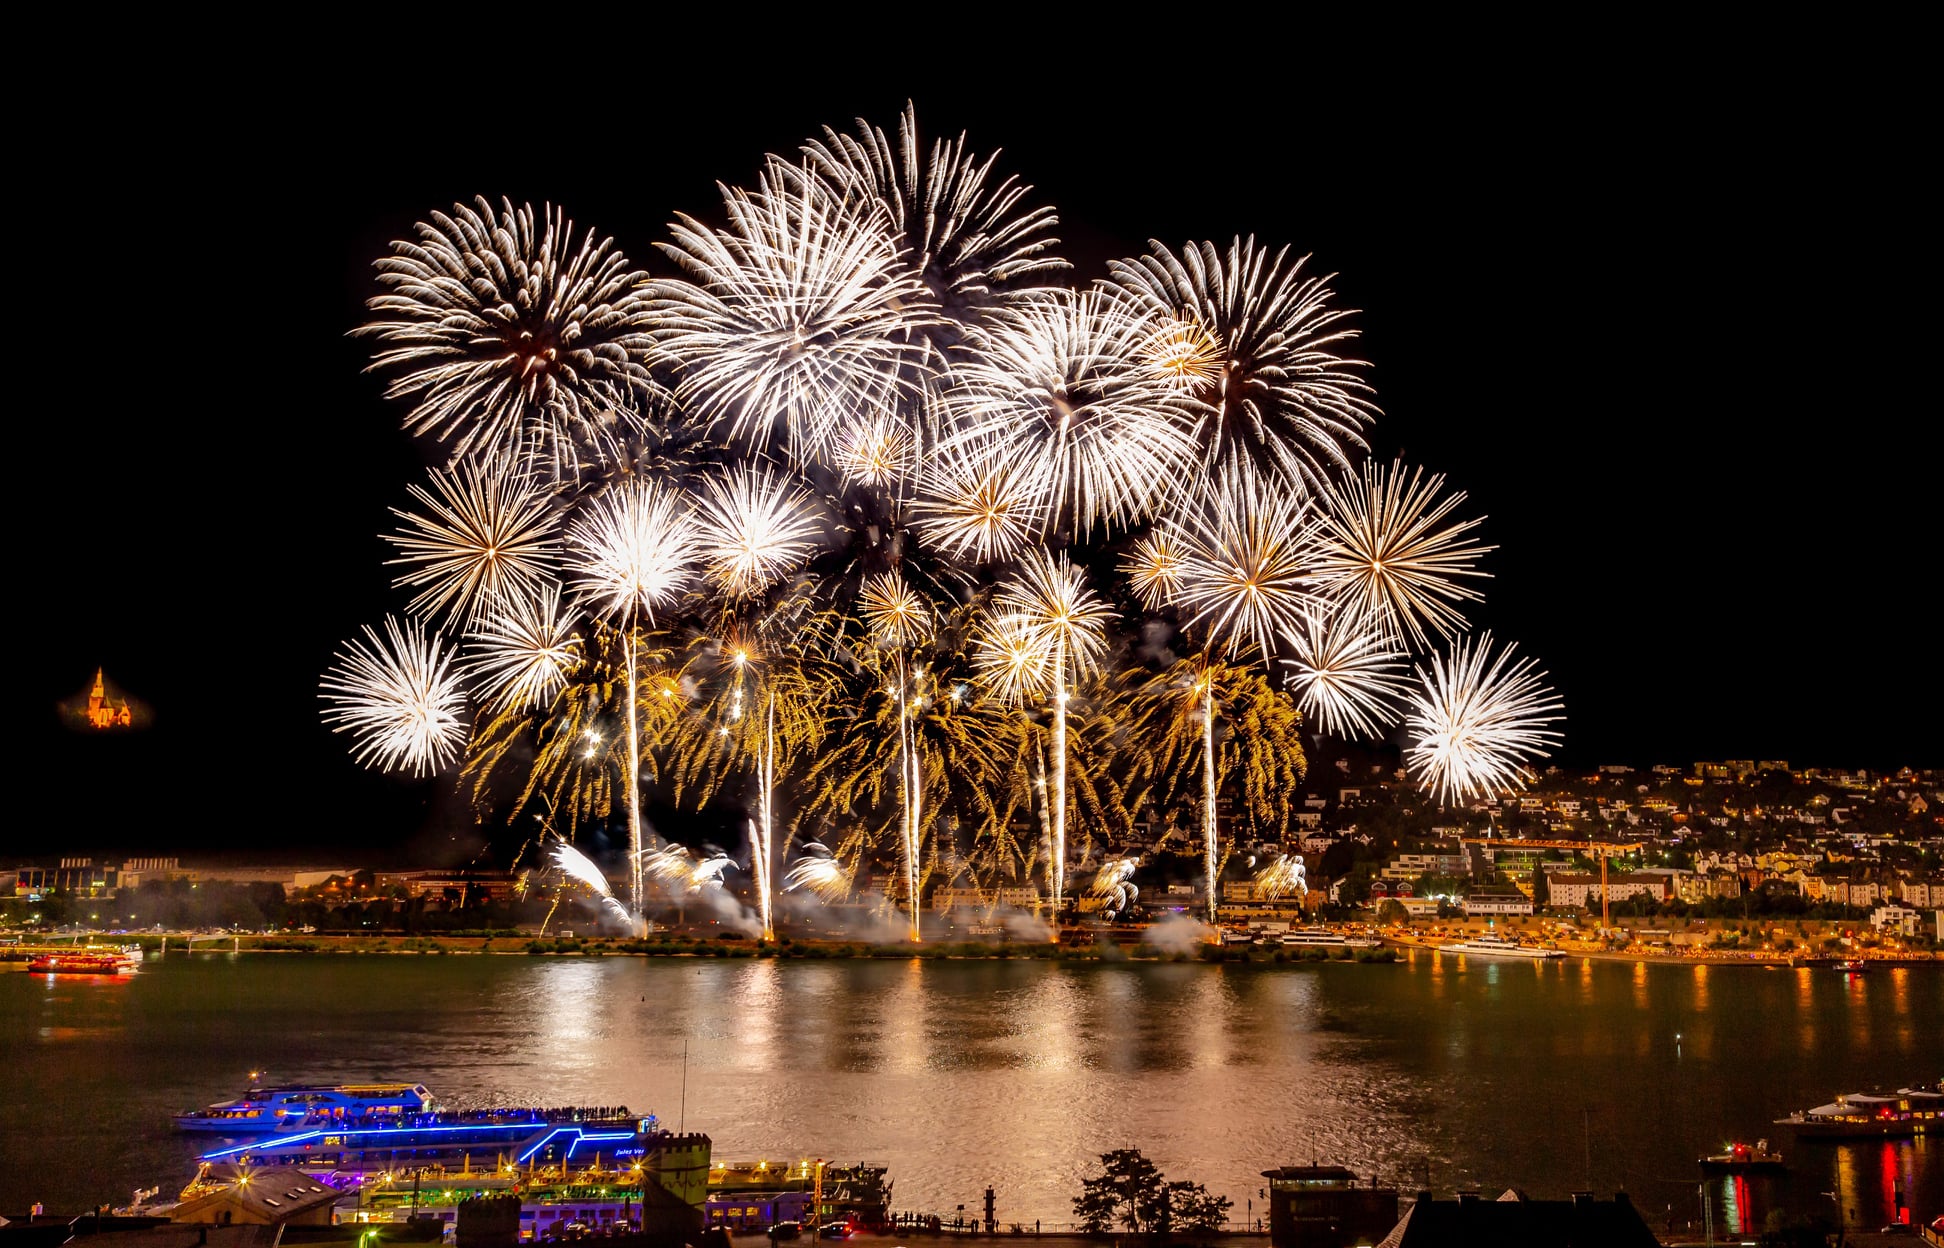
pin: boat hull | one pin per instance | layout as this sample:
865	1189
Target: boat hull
1810	1129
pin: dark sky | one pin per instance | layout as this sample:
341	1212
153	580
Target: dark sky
1650	314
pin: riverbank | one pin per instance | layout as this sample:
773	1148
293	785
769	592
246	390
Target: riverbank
520	944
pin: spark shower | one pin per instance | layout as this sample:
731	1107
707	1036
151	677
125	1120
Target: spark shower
850	524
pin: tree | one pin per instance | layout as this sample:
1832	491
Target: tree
1192	1207
1392	912
1130	1192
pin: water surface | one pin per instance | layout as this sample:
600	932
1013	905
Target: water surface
960	1074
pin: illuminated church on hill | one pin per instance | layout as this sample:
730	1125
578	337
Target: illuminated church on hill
101	712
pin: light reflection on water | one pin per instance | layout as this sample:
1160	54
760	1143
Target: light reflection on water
1475	1072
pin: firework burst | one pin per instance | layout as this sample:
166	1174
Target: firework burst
1282	878
575	865
1060	384
896	614
754	526
1476	721
509	338
398	698
1247	569
817	871
965	237
1348	680
977	501
488	535
798	315
633	548
1049	605
876	452
1256	343
523	650
1388	552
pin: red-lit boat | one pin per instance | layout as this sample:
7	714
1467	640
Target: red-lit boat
83	962
1741	1158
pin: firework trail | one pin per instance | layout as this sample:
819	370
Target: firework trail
899	617
1242	562
1255	344
578	866
523	651
398	698
509	339
1476	720
1049	607
634	549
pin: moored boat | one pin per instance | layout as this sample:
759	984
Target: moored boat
1492	945
1741	1158
1324	938
261	1111
1907	1111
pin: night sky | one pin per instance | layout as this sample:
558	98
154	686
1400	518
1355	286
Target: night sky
1653	327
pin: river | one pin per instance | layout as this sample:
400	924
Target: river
958	1074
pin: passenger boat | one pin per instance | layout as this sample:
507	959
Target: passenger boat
1492	945
1324	938
1907	1111
1740	1158
264	1110
83	961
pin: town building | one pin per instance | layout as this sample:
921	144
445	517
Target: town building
1571	889
1326	1207
1493	901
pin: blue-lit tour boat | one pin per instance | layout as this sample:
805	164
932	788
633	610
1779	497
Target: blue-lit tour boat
263	1110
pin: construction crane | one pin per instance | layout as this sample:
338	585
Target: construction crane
1605	850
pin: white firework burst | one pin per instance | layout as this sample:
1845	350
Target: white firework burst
487	534
509	338
633	548
523	650
1247	569
1059	383
1389	552
798	315
1153	566
896	614
1012	658
817	872
755	525
875	452
1282	878
1477	720
1049	599
1257	345
977	501
1348	680
577	866
398	698
963	235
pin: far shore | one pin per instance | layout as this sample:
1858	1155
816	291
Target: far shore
1395	949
